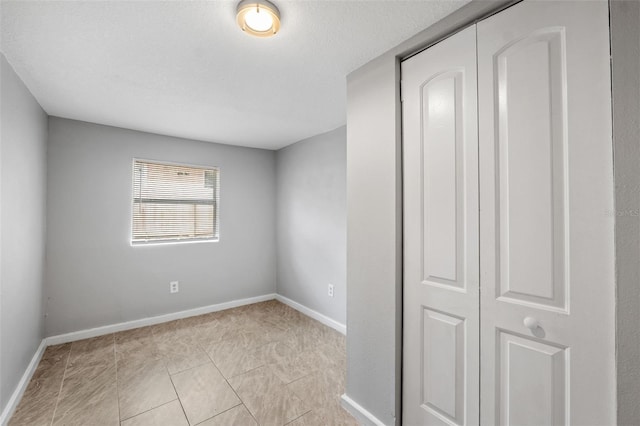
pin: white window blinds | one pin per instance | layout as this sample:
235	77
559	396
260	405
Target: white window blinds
174	202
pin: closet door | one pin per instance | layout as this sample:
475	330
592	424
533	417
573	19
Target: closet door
441	306
546	200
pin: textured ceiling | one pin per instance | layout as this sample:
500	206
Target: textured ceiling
185	69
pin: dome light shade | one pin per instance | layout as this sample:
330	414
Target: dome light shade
260	18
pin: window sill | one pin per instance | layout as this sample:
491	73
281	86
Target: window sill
173	242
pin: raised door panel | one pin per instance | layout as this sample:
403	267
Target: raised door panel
443	370
442	180
532	382
531	142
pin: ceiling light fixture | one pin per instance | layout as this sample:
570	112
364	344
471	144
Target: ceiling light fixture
260	18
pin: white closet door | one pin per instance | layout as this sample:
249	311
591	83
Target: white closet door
441	306
546	227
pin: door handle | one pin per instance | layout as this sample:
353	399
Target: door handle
531	323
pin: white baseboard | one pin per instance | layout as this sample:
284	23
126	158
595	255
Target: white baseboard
12	404
313	314
359	412
128	325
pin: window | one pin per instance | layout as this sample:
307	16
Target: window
174	202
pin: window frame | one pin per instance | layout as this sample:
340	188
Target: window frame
171	241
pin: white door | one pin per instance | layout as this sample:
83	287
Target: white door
441	301
546	231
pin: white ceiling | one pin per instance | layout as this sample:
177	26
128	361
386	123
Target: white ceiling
185	69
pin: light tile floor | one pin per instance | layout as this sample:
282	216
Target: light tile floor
263	364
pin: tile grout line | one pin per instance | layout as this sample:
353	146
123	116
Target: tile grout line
222	412
189	369
165	403
303	414
150	409
229	384
64	375
173	385
240	399
197	342
177	399
284	385
298	396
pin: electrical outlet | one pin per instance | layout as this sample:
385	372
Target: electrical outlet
174	287
330	290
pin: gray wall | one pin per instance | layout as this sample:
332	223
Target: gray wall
625	47
311	216
374	220
374	233
23	153
373	266
94	276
